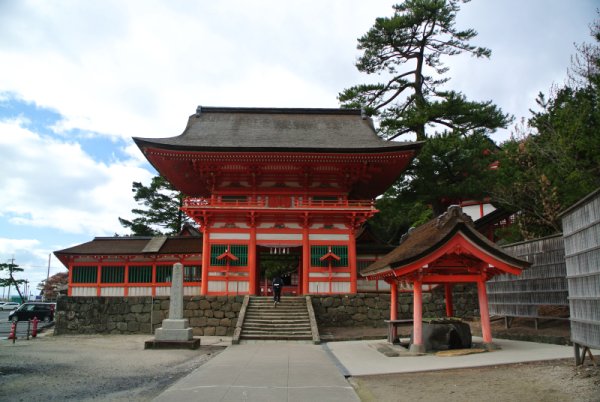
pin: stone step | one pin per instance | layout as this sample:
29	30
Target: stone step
288	320
277	313
251	324
276	310
279	305
270	333
277	338
268	320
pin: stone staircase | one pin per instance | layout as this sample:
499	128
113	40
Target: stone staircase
291	320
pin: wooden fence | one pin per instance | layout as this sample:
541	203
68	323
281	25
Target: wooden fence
581	231
541	291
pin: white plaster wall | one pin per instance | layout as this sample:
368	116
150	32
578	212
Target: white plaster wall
80	291
230	236
163	291
117	291
140	291
191	290
337	237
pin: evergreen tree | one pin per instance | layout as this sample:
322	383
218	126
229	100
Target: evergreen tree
554	161
407	50
162	215
11	268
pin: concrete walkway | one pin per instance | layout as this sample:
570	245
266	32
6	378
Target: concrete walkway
289	371
362	358
265	371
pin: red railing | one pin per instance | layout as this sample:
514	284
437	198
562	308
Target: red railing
276	202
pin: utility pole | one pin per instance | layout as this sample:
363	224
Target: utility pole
48	275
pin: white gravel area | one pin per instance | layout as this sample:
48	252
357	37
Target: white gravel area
94	367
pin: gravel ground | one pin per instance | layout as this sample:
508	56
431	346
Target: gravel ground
550	381
117	368
92	368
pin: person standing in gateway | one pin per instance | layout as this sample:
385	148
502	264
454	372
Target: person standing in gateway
277	286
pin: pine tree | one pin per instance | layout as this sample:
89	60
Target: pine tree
162	214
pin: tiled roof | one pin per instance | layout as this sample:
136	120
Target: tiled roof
133	245
275	129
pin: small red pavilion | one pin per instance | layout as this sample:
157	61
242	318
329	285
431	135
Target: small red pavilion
295	183
444	251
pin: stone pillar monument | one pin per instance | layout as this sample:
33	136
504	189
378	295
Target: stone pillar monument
175	331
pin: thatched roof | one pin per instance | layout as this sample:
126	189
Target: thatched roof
423	241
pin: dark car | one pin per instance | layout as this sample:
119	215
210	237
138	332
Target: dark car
27	311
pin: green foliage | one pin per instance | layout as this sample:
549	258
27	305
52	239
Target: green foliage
397	215
162	213
553	161
407	48
9	280
448	169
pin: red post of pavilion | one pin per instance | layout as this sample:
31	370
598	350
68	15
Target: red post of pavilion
484	313
394	306
448	297
417	345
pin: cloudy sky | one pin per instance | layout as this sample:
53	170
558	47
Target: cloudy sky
78	79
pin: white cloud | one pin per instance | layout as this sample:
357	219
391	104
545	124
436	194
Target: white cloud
139	68
8	246
51	183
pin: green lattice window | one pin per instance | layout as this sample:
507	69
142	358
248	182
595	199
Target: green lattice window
140	274
164	273
316	252
192	273
113	274
85	274
238	250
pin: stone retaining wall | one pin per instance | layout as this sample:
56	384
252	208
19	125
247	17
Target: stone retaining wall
208	315
217	315
371	309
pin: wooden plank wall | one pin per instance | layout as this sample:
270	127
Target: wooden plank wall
540	291
581	231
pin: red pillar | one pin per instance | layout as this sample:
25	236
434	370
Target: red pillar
394	307
70	289
305	259
205	260
352	261
252	261
126	281
448	297
417	344
98	280
394	300
484	312
154	279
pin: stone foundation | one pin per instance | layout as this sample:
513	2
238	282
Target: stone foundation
217	315
371	309
207	315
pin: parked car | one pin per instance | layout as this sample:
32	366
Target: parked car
9	306
27	311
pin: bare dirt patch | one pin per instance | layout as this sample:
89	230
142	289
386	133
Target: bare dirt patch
557	380
92	368
549	381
